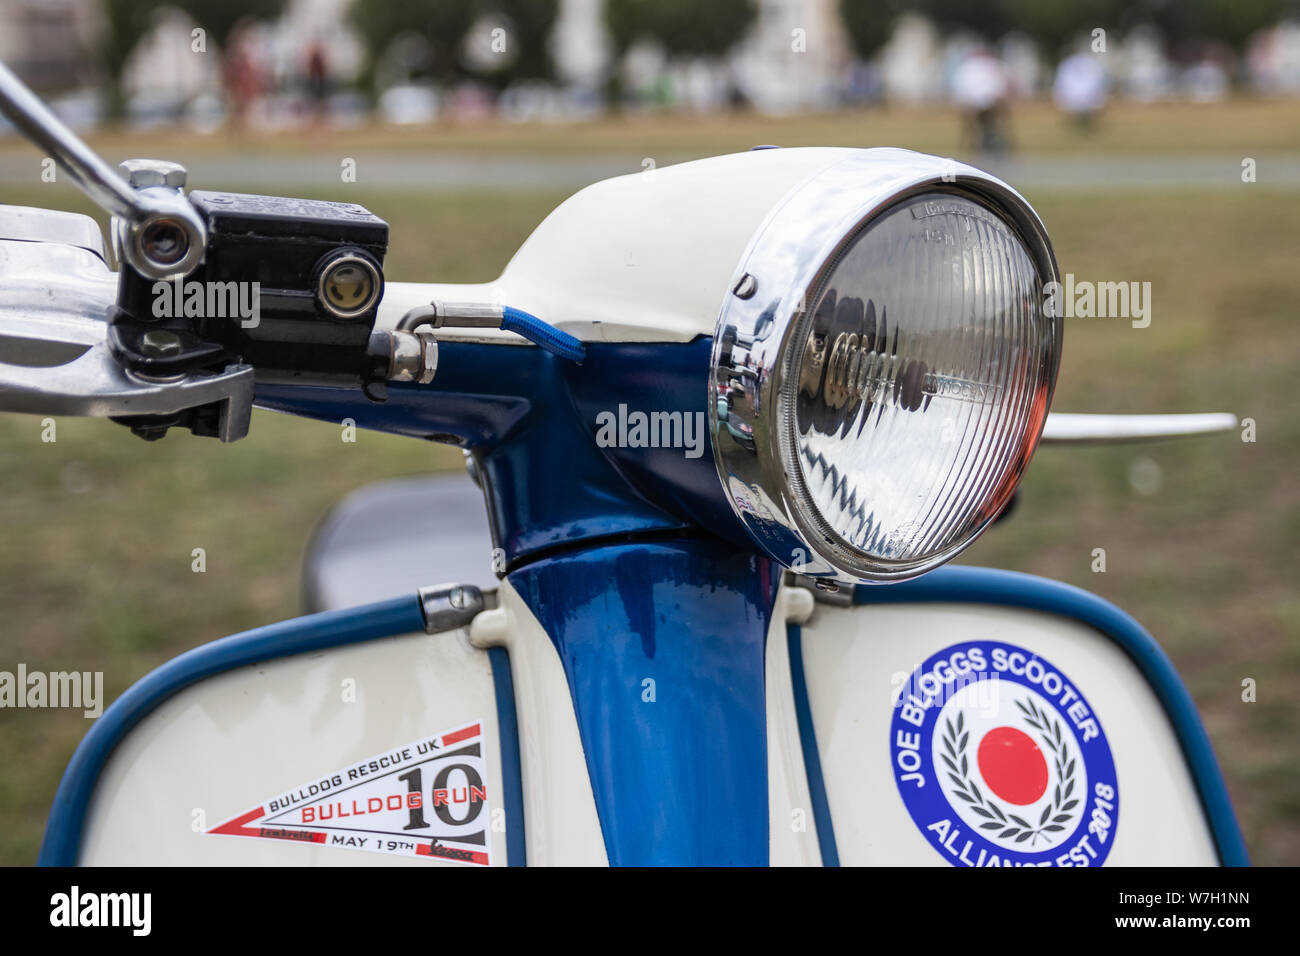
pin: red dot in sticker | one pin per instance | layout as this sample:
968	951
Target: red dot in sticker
1012	765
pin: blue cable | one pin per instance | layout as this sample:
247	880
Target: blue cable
540	333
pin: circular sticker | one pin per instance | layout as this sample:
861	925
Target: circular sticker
1001	761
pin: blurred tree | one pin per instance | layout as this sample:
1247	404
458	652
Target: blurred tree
219	17
870	25
986	18
1188	23
532	21
1054	26
125	21
682	26
444	23
1049	24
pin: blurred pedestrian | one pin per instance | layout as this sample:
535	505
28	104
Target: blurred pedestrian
242	77
317	76
980	90
1081	89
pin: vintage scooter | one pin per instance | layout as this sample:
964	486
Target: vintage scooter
729	419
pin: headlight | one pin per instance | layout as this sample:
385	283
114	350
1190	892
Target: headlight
883	365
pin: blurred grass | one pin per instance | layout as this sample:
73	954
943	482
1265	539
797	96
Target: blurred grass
98	527
1036	127
1207	560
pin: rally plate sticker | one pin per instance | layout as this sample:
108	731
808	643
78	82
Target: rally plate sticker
1001	761
428	799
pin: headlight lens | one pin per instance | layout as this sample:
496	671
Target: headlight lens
917	382
883	365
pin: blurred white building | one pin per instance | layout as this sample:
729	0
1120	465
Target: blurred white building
1144	72
580	44
795	56
49	42
1273	60
1025	72
912	61
165	69
307	22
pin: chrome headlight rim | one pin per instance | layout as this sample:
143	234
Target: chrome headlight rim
777	281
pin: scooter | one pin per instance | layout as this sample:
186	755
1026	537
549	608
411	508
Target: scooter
731	420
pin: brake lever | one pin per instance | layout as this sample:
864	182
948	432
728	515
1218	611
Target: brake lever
57	358
160	233
94	385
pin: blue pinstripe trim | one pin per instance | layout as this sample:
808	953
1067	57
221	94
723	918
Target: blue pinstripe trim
512	787
812	760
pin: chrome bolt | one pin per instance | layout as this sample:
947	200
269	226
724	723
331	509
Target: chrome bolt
429	358
412	357
143	173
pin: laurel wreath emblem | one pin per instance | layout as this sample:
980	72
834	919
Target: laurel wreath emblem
1056	815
